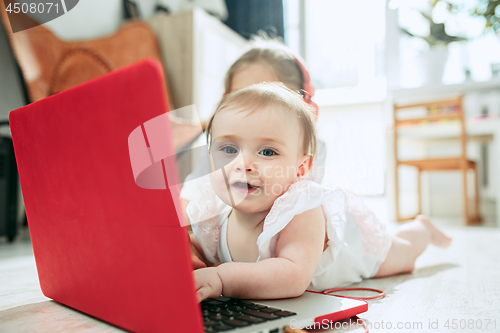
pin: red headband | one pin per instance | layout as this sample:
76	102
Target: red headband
308	88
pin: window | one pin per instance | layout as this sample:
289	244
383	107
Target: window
343	45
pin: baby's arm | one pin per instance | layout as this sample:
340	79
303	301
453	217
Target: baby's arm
197	255
298	253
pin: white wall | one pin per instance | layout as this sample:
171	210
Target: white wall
355	144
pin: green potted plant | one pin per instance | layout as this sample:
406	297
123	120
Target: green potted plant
489	10
484	13
437	33
431	60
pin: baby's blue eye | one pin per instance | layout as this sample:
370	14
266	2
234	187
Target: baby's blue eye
229	150
268	152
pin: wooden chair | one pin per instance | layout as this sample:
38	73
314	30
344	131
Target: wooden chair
439	110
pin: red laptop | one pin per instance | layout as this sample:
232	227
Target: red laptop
108	247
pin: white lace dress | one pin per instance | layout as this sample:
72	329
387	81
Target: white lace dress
357	242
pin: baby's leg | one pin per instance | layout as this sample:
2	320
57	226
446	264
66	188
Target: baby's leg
408	243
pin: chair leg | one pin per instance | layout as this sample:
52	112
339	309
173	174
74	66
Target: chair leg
466	198
396	192
419	191
477	216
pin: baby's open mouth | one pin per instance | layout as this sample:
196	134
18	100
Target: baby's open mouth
244	187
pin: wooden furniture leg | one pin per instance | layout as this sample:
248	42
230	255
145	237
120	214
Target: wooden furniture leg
477	216
419	191
466	197
396	185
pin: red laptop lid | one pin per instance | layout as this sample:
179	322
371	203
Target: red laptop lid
102	244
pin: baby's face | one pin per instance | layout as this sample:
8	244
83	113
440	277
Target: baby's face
261	154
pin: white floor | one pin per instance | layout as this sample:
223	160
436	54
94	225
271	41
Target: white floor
454	286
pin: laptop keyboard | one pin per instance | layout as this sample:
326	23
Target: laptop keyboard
224	314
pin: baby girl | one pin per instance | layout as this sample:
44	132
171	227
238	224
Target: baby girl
276	233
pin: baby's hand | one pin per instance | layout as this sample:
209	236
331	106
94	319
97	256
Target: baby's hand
197	263
208	283
196	256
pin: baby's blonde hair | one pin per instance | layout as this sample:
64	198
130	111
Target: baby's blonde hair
274	95
273	53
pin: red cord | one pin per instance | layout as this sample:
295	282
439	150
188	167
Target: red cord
362	322
381	292
380	295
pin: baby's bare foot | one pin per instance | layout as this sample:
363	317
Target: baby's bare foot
438	238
